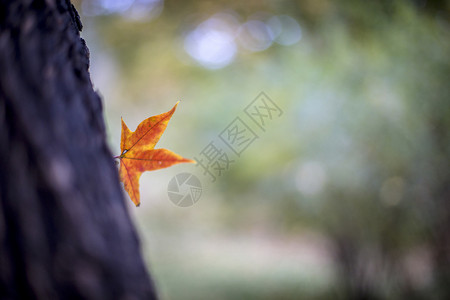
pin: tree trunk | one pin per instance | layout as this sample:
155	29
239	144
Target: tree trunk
64	229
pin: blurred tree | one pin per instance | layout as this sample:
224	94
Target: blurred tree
64	229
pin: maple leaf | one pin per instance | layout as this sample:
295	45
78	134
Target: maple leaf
138	153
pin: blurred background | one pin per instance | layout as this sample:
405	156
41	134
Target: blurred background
345	195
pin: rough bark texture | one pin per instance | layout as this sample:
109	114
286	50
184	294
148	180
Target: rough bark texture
64	229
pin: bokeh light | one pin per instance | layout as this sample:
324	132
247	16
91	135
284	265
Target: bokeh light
255	35
285	29
131	9
212	42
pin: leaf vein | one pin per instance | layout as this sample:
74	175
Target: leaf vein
131	183
148	131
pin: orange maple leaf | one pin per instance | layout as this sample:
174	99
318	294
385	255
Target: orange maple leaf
138	153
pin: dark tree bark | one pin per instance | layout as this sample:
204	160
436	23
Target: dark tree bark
64	229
